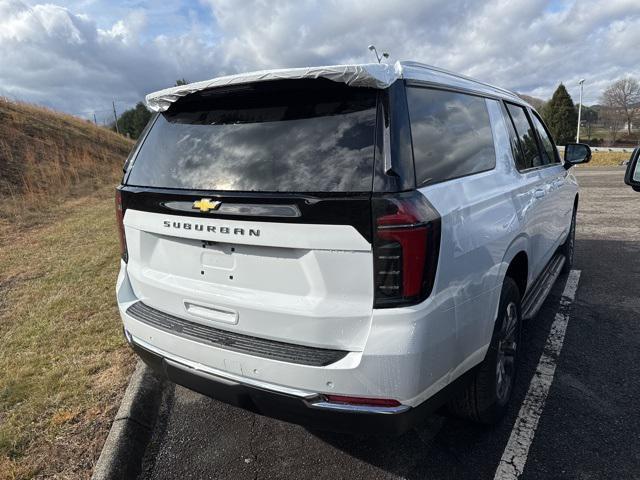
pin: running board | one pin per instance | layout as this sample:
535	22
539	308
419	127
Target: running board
538	292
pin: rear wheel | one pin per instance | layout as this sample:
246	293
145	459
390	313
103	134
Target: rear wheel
569	245
486	398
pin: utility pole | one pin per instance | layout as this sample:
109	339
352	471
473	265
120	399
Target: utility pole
581	82
115	115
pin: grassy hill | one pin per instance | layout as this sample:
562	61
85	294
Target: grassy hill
45	153
63	362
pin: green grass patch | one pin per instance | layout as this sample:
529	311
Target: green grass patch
63	361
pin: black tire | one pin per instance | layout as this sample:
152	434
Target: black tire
568	248
485	400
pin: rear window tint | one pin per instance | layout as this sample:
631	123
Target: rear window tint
518	155
548	148
526	137
300	136
451	134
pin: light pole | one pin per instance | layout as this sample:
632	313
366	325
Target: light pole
581	82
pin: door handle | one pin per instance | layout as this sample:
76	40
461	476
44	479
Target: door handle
538	193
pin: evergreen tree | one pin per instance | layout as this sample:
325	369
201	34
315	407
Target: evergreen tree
133	121
561	116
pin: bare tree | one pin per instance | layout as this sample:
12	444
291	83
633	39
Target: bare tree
623	95
612	119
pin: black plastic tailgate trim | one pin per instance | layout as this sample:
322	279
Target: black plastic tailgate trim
314	208
259	347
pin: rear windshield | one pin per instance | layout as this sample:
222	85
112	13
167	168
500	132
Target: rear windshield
285	136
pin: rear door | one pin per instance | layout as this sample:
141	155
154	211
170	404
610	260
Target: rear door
559	194
533	199
249	209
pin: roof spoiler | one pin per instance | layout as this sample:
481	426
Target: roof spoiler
372	75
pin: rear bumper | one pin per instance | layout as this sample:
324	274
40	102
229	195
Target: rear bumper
407	357
307	410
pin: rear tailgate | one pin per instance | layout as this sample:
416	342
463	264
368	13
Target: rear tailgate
249	209
301	280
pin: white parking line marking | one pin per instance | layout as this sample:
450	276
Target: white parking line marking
515	453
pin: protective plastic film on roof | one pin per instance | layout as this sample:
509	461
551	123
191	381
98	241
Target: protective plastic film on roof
371	75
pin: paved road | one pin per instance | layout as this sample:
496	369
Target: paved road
589	428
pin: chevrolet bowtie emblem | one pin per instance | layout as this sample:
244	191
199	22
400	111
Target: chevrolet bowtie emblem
206	204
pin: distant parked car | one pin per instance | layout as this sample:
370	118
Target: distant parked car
632	177
348	246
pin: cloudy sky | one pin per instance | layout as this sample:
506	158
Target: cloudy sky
78	55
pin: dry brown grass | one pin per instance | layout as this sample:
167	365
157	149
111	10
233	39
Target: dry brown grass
608	159
46	156
63	362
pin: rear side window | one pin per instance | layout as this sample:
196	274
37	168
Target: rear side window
549	153
518	155
526	137
285	136
451	134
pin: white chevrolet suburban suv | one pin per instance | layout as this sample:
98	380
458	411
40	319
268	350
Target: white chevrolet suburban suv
349	247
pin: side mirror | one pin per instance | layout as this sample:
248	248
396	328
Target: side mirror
575	154
632	177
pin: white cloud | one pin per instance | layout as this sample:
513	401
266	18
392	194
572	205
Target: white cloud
52	56
127	30
81	56
521	44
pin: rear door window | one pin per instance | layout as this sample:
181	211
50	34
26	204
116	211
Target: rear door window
518	155
283	136
526	137
451	134
549	153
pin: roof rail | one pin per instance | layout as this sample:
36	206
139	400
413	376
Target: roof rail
410	63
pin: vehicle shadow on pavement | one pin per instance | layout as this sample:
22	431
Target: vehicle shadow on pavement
437	448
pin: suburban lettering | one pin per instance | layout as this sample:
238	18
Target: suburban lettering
252	232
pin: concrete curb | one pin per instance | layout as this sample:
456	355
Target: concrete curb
123	451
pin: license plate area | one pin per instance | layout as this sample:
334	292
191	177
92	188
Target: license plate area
218	256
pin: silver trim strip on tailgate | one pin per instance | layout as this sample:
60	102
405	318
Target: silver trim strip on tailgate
242	209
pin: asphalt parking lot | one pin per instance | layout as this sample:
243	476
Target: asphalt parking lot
589	426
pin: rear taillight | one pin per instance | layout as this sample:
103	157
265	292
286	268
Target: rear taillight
120	222
406	246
